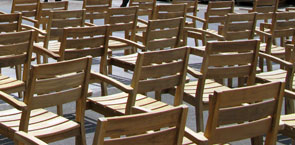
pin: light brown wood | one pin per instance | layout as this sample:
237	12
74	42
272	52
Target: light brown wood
28	8
167	126
32	118
191	11
27	139
197	92
96	9
223	129
120	104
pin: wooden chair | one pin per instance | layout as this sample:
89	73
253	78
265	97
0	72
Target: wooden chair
171	122
156	70
221	60
79	42
244	113
216	13
235	27
96	9
191	11
16	50
282	27
57	21
28	8
160	34
67	81
146	9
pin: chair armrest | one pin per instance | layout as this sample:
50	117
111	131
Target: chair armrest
111	81
258	32
12	101
44	51
197	138
2	12
194	73
34	28
276	60
129	42
23	137
289	94
142	21
30	20
89	24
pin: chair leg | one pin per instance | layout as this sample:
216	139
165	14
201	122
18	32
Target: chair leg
289	106
260	61
110	68
158	95
18	77
269	66
199	118
257	140
59	110
104	90
81	139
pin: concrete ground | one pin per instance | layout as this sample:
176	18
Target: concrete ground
119	74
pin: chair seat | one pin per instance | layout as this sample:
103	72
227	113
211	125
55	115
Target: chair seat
288	122
115	104
275	50
126	61
210	87
276	75
42	123
11	85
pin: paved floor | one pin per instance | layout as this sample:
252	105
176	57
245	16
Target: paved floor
125	77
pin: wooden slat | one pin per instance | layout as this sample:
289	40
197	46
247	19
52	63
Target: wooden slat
247	112
159	70
61	23
158	34
55	5
146	139
241	131
220	12
283	33
219	19
238	35
240	26
158	24
14	48
25	1
164	56
241	17
158	84
265	9
48	71
285	15
265	2
228	72
9	27
121	19
25	8
262	92
96	2
43	101
236	46
285	25
94	52
12	60
171	8
221	4
230	59
9	17
85	31
121	27
144	122
18	37
122	11
66	82
85	42
163	43
68	14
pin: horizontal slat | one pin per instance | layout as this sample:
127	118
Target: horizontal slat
66	23
241	17
9	17
86	42
283	33
170	15
230	59
13	60
59	83
48	100
241	26
48	70
285	15
94	52
147	139
158	84
242	131
122	11
142	123
121	19
9	27
221	4
220	12
249	94
235	46
219	19
165	56
95	16
97	2
171	8
265	2
239	35
17	37
285	25
14	48
68	14
26	1
165	23
121	27
248	112
163	43
25	8
55	5
158	34
85	31
160	70
265	9
229	72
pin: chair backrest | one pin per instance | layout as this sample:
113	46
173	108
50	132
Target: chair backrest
145	7
283	26
57	83
159	70
84	41
58	20
123	19
96	9
44	11
10	22
265	8
167	128
16	49
163	33
239	26
230	59
170	11
217	11
191	10
245	113
28	8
